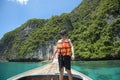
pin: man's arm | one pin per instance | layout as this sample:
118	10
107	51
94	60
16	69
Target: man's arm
54	53
72	49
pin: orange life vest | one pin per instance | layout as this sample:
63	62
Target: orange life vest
64	48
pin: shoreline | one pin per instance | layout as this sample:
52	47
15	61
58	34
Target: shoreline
29	60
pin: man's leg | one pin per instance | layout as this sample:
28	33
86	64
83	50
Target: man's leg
69	74
61	73
67	61
61	68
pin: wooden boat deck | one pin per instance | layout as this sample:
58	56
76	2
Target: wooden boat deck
49	69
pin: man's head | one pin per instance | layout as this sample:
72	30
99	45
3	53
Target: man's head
63	32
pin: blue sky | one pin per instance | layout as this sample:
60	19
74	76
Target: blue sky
14	13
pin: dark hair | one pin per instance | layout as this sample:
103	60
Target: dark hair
63	32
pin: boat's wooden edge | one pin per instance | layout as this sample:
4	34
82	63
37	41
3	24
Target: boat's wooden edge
50	77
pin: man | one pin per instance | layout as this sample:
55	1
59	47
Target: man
63	49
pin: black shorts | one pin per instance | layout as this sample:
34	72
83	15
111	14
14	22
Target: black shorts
64	61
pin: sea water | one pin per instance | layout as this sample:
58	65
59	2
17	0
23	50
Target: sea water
9	69
99	70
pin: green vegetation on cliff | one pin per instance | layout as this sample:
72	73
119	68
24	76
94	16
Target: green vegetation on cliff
93	27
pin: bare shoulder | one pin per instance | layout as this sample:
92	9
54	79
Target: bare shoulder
69	40
59	41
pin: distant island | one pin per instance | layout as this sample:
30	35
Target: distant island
93	27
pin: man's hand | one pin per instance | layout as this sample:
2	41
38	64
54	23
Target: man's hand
53	57
73	57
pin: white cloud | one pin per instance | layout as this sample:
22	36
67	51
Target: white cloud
22	2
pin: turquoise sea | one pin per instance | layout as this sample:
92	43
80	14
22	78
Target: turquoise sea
9	69
97	70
